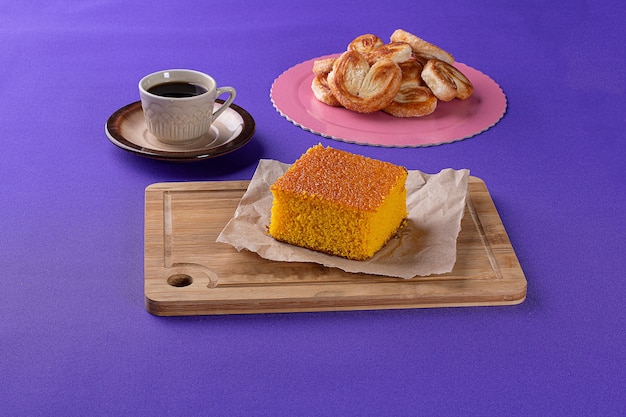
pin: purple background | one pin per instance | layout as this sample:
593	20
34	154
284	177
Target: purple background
75	338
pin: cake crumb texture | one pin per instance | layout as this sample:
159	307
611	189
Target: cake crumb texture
339	203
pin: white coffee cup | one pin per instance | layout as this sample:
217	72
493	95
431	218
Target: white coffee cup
178	104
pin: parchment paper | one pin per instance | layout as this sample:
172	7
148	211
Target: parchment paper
425	246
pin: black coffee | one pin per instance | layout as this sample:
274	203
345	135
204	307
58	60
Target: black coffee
177	89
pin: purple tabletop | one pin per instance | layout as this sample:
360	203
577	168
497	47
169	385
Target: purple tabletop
75	336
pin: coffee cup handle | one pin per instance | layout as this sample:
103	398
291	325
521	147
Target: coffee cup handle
231	97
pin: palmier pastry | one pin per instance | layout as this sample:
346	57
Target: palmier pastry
361	88
323	66
413	100
398	52
322	91
411	71
446	81
421	48
365	43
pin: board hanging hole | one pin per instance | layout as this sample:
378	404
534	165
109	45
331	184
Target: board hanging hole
179	280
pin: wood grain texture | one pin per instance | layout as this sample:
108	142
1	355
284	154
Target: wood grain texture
188	273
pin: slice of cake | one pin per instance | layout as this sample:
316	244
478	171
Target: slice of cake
339	203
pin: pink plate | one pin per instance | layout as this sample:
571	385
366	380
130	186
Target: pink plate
293	98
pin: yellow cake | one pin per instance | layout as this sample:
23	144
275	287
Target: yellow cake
339	203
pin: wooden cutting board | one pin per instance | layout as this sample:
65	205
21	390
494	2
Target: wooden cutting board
188	273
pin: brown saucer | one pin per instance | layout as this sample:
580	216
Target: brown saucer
126	128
